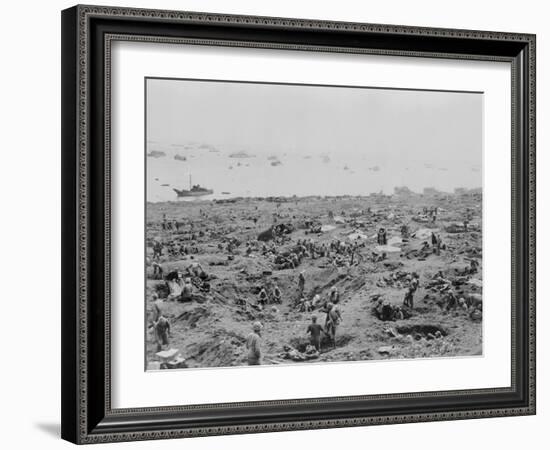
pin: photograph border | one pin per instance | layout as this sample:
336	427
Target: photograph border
87	35
146	333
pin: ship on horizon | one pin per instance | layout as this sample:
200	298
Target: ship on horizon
194	190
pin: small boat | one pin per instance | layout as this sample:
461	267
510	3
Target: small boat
241	154
156	154
179	157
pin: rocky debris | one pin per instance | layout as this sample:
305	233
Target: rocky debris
171	359
386	249
386	350
391	332
375	297
421	218
475	282
439	283
218	263
476	315
275	231
424	233
397	279
295	355
455	228
393	265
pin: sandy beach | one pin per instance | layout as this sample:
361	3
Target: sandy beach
222	236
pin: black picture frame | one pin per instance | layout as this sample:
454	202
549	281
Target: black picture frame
87	416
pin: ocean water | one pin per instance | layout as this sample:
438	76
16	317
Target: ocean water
293	173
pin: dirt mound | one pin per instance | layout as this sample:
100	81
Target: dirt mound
343	340
224	348
194	314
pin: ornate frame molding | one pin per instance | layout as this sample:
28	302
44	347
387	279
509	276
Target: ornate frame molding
78	428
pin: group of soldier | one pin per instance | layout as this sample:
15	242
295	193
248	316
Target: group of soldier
314	330
272	294
333	317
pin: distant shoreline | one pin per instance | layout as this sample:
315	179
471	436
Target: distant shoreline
281	198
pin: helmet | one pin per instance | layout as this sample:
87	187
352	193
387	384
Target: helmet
257	326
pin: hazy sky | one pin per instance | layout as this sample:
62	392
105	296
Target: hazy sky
263	119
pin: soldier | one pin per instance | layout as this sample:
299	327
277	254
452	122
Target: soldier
187	291
414	282
162	331
277	295
157	250
382	237
408	301
315	301
452	300
301	284
262	297
156	308
253	344
157	271
332	321
438	245
304	305
315	330
397	313
334	296
196	270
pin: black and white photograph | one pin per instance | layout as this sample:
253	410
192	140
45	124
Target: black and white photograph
275	225
310	224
